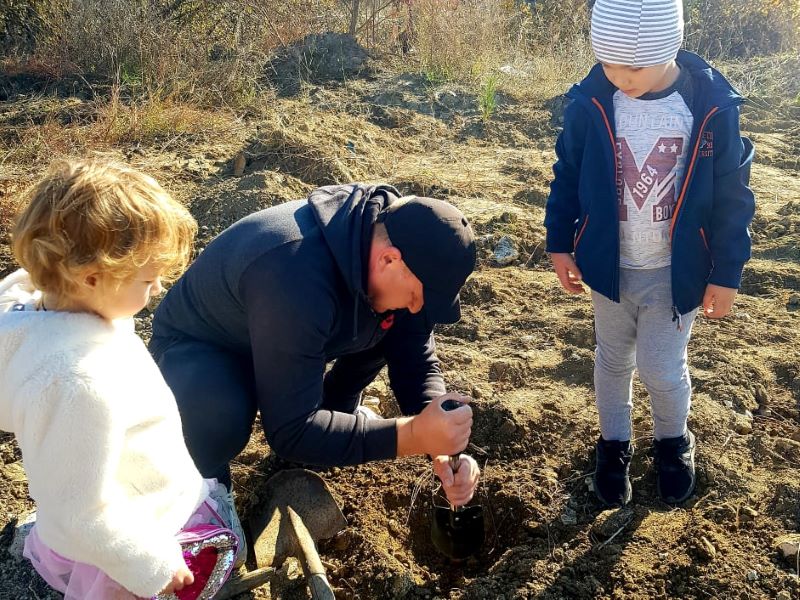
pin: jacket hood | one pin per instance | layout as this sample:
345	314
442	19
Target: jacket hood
716	90
346	214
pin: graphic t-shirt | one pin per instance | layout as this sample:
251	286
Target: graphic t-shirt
653	133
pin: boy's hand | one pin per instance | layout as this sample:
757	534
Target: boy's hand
459	486
180	579
718	301
568	273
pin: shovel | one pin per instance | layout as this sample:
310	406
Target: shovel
300	512
457	532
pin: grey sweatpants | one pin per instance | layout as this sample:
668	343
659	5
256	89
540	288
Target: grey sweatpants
639	333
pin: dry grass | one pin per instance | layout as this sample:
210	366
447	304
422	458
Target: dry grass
460	40
736	29
535	51
153	120
770	78
164	64
325	147
45	128
8	208
212	53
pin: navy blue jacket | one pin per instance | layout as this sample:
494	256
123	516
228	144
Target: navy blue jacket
709	229
285	288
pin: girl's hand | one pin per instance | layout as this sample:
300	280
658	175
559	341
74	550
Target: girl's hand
459	486
180	579
568	273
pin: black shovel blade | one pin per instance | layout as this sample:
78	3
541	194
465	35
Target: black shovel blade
458	533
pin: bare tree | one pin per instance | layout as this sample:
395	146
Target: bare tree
354	17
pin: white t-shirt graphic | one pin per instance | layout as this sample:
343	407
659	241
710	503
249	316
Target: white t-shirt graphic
652	142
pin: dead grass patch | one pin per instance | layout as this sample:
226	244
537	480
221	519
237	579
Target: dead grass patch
37	130
323	148
9	205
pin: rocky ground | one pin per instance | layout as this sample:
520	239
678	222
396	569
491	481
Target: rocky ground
523	350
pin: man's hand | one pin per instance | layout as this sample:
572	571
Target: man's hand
568	273
180	579
459	486
436	431
718	301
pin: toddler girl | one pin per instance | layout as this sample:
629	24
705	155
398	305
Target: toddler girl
99	430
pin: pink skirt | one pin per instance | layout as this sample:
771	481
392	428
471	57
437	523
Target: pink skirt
80	581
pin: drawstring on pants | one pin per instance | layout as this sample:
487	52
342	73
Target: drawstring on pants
676	316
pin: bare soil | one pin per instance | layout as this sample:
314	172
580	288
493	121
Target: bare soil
524	350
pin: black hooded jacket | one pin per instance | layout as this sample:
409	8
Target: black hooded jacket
285	287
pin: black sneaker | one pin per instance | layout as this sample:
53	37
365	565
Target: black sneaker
674	460
611	481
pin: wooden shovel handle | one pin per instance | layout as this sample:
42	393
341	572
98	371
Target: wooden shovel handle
240	584
309	559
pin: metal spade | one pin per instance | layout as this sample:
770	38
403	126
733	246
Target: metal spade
300	511
457	532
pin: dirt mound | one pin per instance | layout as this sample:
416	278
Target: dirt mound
317	58
321	148
220	204
447	101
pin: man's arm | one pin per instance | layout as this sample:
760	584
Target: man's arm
414	372
290	319
291	316
417	382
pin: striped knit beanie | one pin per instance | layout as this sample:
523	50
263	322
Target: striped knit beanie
635	33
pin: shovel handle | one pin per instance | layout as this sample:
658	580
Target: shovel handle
317	581
239	584
455	459
449	405
455	462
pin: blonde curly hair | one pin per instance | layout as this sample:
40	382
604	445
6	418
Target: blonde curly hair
103	215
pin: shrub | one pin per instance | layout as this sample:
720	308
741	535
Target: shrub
211	52
487	97
742	28
25	22
459	40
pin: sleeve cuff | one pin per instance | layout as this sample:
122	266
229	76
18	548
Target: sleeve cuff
559	244
727	275
154	577
380	442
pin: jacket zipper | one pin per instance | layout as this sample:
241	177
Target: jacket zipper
580	233
705	241
682	196
599	106
689	173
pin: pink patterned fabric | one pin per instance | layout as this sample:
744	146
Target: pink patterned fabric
79	581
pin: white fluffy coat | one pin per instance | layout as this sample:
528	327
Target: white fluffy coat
101	440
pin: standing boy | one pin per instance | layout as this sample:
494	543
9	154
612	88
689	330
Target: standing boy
650	207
